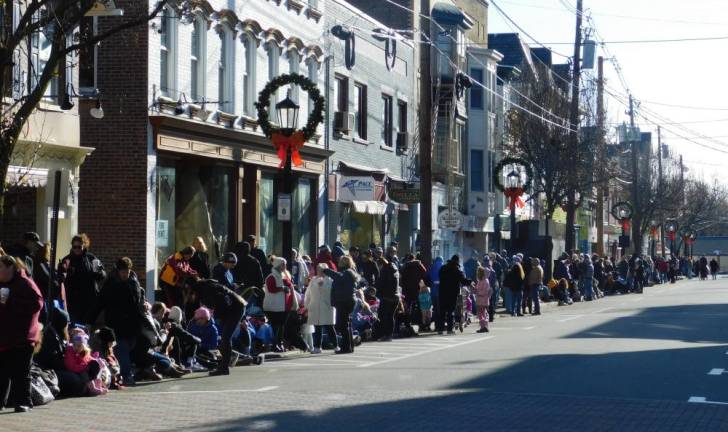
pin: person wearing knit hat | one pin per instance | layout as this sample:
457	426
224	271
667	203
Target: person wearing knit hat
223	271
204	328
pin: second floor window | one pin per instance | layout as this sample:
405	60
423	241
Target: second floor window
476	171
341	94
249	79
360	115
226	69
387	120
168	54
476	91
402	116
197	59
274	55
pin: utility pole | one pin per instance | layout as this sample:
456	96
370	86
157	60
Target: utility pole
603	181
659	189
636	217
425	125
570	236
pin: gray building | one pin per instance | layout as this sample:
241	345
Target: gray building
371	104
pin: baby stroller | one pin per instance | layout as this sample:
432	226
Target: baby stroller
462	308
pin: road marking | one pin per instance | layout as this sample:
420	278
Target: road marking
638	299
570	318
259	390
529	328
716	372
704	400
425	352
603	310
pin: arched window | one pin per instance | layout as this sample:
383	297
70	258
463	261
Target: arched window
274	54
226	71
294	63
251	46
168	54
197	58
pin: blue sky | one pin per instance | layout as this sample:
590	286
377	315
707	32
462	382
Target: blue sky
689	74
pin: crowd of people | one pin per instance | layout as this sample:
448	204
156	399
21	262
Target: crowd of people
81	330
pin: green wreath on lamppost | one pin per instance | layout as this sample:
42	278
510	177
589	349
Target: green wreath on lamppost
623	211
314	119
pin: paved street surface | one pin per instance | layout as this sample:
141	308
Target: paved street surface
651	362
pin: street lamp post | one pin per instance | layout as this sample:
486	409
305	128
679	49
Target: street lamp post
513	181
287	111
671	231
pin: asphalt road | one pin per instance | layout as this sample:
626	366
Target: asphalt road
651	362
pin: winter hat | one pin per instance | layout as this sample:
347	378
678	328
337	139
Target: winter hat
203	313
59	319
278	261
106	335
79	336
230	258
516	259
175	314
519	255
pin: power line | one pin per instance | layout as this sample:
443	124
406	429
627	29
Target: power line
647	41
505	15
685	106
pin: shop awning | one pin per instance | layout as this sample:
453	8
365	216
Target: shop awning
26	177
362	168
369	207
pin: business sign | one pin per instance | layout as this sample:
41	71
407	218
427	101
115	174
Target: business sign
450	220
356	189
405	196
284	207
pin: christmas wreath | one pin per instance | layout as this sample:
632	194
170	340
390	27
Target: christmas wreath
298	138
514	195
628	212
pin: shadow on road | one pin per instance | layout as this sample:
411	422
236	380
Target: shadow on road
690	323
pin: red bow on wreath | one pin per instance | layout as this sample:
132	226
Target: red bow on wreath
653	232
625	224
671	235
514	198
283	142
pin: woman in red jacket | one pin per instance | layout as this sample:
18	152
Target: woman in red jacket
20	305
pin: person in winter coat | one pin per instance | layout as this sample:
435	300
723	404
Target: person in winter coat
324	257
535	280
229	310
586	276
343	291
200	261
25	251
483	292
81	273
202	326
248	271
122	302
411	274
714	268
280	299
258	254
471	265
320	311
174	274
451	279
20	305
223	271
514	281
299	271
338	251
434	275
52	351
368	269
488	261
387	291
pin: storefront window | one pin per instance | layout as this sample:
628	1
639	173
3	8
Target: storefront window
302	216
166	213
269	239
192	201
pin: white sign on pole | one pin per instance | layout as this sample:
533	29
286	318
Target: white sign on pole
284	207
162	233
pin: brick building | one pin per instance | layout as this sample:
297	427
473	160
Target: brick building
179	153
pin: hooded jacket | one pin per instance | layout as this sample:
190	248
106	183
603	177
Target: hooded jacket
412	273
123	305
248	270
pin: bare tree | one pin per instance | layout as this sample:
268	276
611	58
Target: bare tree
59	21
